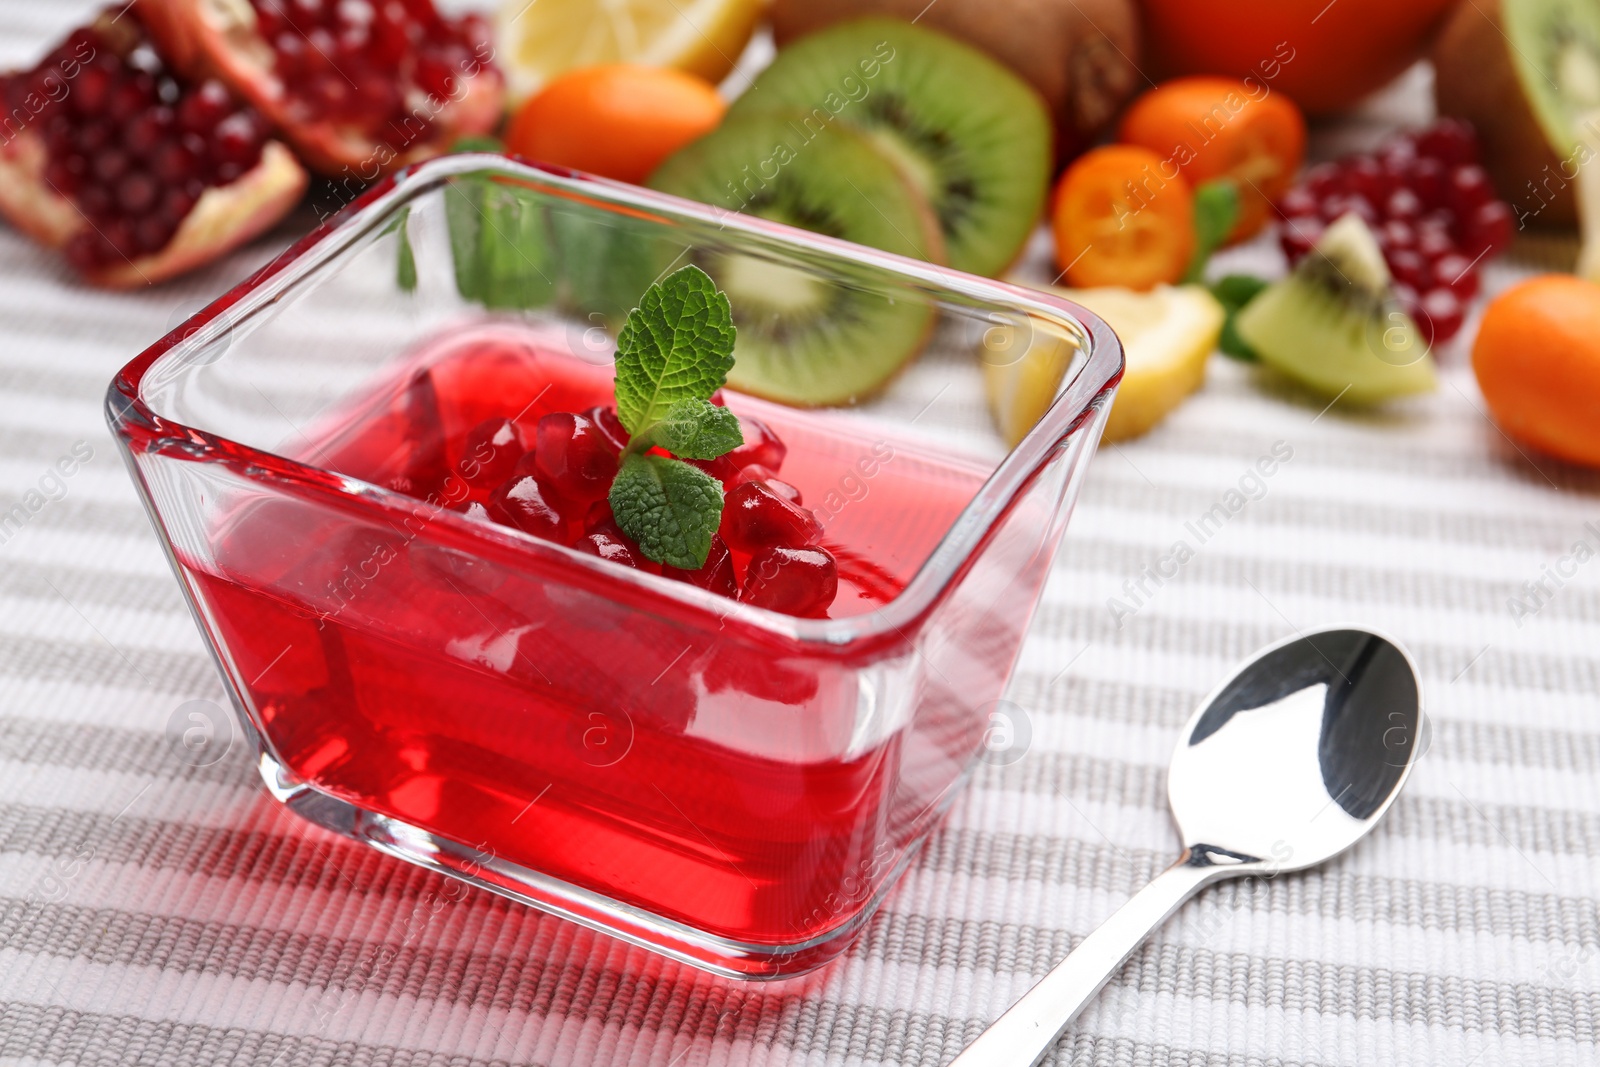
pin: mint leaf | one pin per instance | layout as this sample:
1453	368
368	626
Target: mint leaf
696	429
670	508
676	345
1216	209
1233	292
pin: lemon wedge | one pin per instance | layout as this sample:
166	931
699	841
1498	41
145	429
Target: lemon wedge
538	39
1167	335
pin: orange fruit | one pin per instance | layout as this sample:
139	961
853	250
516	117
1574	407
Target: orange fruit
1537	358
1223	128
618	120
1123	216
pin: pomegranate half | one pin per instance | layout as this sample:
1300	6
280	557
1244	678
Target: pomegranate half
133	174
357	87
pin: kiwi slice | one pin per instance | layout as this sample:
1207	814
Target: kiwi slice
972	137
807	336
1334	324
1555	46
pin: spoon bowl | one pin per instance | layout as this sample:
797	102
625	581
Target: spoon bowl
1283	766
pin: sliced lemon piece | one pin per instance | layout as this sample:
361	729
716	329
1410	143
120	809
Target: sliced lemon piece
1167	335
539	39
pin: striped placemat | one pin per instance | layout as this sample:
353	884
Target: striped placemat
155	911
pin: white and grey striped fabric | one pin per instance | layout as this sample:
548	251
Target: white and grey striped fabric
157	909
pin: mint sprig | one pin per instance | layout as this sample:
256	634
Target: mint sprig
674	351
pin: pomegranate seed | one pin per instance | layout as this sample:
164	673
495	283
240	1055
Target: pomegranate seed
65	176
1396	234
137	193
1450	141
237	139
722	469
1427	181
1490	227
1364	177
175	163
201	110
92	91
119	232
610	427
1337	207
489	453
130	98
1299	236
152	233
755	517
796	581
1457	273
1444	313
609	543
110	165
574	457
148	132
523	503
1298	201
1403	204
474	510
1323	180
93	137
761	445
95	201
717	575
176	205
757	473
1434	241
1466	188
1410	267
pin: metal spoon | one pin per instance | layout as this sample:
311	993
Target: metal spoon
1285	765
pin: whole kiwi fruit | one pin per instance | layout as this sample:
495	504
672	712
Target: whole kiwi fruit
1081	55
1526	74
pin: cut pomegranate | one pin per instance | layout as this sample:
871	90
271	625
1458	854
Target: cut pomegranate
100	160
358	87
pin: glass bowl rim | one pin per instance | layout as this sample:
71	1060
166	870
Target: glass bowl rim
1074	403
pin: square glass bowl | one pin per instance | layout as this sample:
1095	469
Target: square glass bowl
730	786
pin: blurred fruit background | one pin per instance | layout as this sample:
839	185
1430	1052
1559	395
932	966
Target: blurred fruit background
1150	155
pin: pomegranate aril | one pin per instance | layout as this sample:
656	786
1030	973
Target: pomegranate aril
757	473
1466	188
1443	312
110	165
1434	241
523	503
1450	141
489	453
175	163
1427	181
93	136
755	517
723	469
92	90
613	549
796	581
119	232
761	445
201	110
1457	273
152	233
1396	234
95	200
717	575
609	425
65	176
137	193
1298	237
1364	177
1403	204
1410	267
1488	229
131	97
1323	180
237	139
574	457
1298	201
176	205
148	132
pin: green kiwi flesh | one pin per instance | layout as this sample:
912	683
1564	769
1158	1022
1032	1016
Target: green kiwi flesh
1555	49
1334	324
807	335
972	137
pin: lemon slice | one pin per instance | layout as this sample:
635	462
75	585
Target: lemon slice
539	39
1167	335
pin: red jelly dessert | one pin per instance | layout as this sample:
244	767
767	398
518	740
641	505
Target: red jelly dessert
541	695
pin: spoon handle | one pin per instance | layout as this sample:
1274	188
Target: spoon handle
1021	1036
